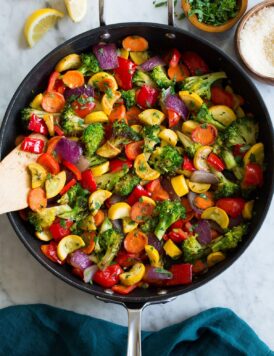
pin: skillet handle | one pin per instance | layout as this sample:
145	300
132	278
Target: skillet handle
134	341
170	5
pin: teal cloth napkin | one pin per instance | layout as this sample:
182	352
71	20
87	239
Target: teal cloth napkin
42	330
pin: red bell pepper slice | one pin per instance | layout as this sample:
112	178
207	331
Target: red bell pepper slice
187	164
240	150
118	164
108	277
182	274
136	194
221	97
73	169
78	272
156	190
88	181
67	187
146	97
124	290
173	118
175	58
33	145
253	175
215	162
232	206
50	251
126	259
124	73
59	86
60	228
52	79
177	235
58	130
133	149
83	105
195	63
36	124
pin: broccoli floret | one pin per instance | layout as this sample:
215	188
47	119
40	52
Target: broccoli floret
229	159
218	144
42	219
95	160
126	184
190	146
108	244
122	134
27	112
92	137
166	160
226	188
204	116
129	97
192	249
141	78
168	212
70	197
109	180
90	64
243	131
201	84
230	239
158	74
72	124
150	224
150	136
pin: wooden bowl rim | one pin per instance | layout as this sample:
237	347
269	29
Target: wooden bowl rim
210	28
246	17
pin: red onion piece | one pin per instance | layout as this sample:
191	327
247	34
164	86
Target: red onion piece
82	164
203	231
156	243
173	102
156	275
191	198
165	182
75	92
203	177
89	272
79	259
68	150
235	221
152	63
106	55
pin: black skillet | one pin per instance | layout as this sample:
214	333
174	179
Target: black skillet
159	37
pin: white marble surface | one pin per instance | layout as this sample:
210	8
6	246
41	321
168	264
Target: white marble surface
247	287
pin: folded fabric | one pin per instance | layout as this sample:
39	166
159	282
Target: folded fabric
42	330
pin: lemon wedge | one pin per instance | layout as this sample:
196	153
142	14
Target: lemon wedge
38	23
77	9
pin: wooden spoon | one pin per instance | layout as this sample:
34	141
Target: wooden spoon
14	178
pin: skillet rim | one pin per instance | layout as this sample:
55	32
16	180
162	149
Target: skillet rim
134	301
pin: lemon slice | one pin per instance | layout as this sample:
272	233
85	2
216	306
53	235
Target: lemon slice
68	245
77	9
39	22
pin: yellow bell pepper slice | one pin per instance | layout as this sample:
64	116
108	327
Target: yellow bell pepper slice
153	255
216	214
123	53
139	57
96	116
37	101
98	171
200	158
223	114
172	250
43	235
71	61
169	136
49	121
152	117
198	188
109	99
68	245
192	101
38	174
119	211
215	257
189	126
129	225
134	275
97	199
255	154
55	184
103	81
179	185
143	170
248	210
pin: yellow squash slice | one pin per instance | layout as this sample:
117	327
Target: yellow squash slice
103	81
97	199
55	184
143	170
108	150
38	174
36	102
96	116
152	117
134	275
222	114
153	255
192	101
109	99
119	211
43	235
200	158
71	61
179	185
169	136
98	171
216	214
215	257
129	225
68	245
255	154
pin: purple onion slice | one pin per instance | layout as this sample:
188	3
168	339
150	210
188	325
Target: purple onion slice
173	102
151	63
89	272
203	177
69	150
79	259
72	94
191	198
106	55
203	231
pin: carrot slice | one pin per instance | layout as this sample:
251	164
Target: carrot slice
135	241
99	218
47	161
132	115
52	144
141	211
89	236
37	199
205	134
177	73
204	200
118	113
73	79
53	102
135	44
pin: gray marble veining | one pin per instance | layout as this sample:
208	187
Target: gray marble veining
247	287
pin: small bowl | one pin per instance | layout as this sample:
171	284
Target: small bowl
210	28
250	13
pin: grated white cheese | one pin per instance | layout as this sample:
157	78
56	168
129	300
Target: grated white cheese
257	41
